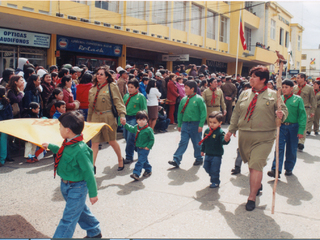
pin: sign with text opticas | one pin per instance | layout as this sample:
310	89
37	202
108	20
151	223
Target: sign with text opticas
23	38
181	57
88	46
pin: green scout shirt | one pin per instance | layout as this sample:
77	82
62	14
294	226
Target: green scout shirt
136	104
213	146
195	111
145	137
76	164
296	112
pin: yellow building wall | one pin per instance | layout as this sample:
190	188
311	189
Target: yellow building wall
179	35
105	16
159	30
36	5
51	57
195	39
223	47
231	68
234	29
250	18
211	43
135	24
69	8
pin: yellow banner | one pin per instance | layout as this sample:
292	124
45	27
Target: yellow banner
38	131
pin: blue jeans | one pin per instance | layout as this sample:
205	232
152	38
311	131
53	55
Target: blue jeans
288	139
189	130
76	211
162	124
129	137
212	166
143	162
85	113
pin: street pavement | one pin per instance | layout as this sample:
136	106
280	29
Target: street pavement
172	202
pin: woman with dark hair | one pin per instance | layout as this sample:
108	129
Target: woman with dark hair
193	72
57	95
100	110
54	78
172	95
28	72
15	93
153	96
83	93
32	93
255	117
63	72
48	87
6	75
203	70
66	83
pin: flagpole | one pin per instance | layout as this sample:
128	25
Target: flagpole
238	46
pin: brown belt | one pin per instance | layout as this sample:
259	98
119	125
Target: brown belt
66	182
286	123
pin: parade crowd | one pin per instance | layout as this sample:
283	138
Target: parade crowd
142	102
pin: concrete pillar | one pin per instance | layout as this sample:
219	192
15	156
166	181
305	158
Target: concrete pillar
51	53
122	60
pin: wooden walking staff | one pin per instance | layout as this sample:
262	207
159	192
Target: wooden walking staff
280	61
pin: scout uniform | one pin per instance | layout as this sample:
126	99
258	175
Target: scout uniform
310	104
219	101
257	135
122	85
316	117
229	90
103	113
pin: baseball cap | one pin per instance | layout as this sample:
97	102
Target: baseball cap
158	74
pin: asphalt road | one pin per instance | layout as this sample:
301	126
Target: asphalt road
172	203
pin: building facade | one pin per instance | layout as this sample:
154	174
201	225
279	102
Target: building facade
121	32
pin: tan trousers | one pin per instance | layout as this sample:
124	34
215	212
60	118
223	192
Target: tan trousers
303	139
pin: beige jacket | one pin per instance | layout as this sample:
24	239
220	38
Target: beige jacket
308	97
219	101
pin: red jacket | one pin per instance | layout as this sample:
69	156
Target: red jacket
68	98
172	93
83	95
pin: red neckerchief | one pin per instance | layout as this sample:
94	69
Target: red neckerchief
59	154
209	134
286	98
139	130
213	99
253	102
300	88
316	91
186	104
96	97
130	96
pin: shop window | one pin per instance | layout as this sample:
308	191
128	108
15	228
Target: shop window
179	15
159	12
247	32
94	62
281	36
196	13
112	6
303	56
287	39
136	9
273	30
211	23
223	29
303	68
8	56
34	55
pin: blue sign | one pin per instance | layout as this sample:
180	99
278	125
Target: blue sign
293	71
88	46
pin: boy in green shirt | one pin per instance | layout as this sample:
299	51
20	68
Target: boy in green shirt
134	102
291	130
212	146
74	164
144	140
192	114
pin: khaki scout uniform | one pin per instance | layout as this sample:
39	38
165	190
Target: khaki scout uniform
310	104
102	112
229	90
122	85
256	137
219	101
316	117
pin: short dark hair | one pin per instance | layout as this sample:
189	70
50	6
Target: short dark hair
210	80
73	120
260	71
302	75
131	76
59	103
86	78
217	115
317	82
190	78
53	67
134	82
192	84
142	115
145	79
288	82
34	105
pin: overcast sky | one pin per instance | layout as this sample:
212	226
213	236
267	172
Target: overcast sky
307	14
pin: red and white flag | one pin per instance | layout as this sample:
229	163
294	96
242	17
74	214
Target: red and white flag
243	40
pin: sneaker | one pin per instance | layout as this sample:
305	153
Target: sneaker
214	185
288	173
300	146
97	236
127	161
173	163
135	176
30	160
147	174
272	173
196	163
235	171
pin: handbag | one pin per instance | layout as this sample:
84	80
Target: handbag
15	109
113	107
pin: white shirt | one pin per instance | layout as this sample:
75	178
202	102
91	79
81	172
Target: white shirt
153	97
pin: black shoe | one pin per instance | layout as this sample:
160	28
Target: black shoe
250	205
173	163
316	133
9	159
97	236
260	189
300	146
272	173
235	171
288	173
147	174
94	170
135	176
120	168
196	163
308	133
127	161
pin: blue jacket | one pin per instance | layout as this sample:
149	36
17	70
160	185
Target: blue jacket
5	112
142	89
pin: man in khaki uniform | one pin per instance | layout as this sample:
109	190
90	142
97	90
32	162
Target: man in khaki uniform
122	82
213	102
316	88
230	92
306	92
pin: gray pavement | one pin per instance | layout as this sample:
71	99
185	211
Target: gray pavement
172	203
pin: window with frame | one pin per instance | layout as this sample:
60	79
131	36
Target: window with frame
287	39
303	68
108	5
281	36
136	9
303	56
299	43
211	23
159	12
273	30
223	29
248	6
179	15
247	34
196	19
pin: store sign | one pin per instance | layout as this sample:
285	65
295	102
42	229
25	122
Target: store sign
283	20
23	38
293	71
88	46
216	64
181	57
